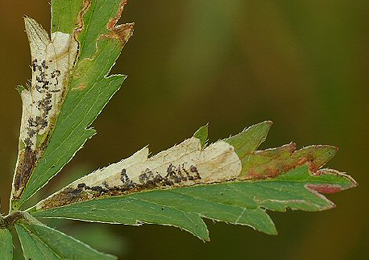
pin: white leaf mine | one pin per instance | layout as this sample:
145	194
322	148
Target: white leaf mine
52	60
182	165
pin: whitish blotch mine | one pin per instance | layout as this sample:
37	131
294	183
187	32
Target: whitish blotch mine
52	60
186	164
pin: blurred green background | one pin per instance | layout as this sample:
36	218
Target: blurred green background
233	63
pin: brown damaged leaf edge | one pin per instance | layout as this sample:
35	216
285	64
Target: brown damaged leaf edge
330	188
271	163
320	189
121	32
113	21
80	27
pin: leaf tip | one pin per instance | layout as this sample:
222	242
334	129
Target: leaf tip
274	232
202	134
123	32
269	122
20	89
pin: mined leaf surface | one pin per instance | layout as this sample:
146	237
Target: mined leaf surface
52	59
41	242
6	244
226	181
85	90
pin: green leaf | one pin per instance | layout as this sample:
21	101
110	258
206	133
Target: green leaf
6	244
202	134
224	186
85	91
101	237
41	242
65	15
249	139
241	203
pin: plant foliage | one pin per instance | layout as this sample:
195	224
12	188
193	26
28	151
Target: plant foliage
229	180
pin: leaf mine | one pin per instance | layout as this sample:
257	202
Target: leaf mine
186	164
52	60
70	87
192	163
